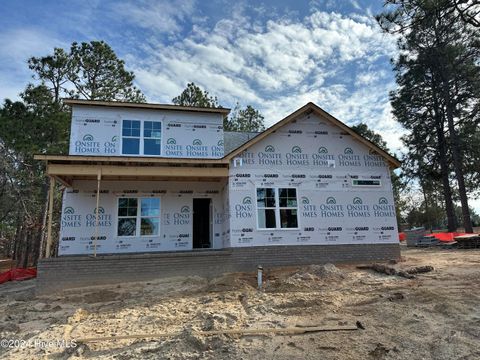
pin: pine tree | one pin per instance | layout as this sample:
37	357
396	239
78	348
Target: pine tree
437	68
193	95
245	120
90	71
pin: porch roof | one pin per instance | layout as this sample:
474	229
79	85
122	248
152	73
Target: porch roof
66	168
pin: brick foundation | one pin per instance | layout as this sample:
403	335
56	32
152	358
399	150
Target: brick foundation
56	274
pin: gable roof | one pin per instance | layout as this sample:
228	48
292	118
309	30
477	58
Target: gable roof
312	108
124	104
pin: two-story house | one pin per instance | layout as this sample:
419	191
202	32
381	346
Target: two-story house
167	180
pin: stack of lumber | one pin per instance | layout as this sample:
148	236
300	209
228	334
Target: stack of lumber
468	241
427	241
413	235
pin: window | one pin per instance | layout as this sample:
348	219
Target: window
131	137
375	183
266	208
277	208
152	132
138	216
288	208
149	216
134	143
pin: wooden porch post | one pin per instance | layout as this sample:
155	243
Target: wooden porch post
50	217
97	216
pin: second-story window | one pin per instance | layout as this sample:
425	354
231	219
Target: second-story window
152	131
141	138
131	137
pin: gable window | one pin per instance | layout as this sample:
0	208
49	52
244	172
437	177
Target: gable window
141	137
277	208
138	217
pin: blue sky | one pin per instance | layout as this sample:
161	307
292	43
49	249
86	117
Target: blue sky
274	55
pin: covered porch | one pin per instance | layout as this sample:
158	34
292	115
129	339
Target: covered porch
166	195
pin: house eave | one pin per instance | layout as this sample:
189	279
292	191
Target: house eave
68	168
126	159
150	106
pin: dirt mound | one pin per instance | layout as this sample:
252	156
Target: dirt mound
325	271
238	281
304	278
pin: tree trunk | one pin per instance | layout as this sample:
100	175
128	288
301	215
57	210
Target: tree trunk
26	253
43	233
36	241
458	167
20	245
425	202
16	239
444	167
447	190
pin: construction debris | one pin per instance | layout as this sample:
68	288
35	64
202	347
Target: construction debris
388	270
468	241
286	331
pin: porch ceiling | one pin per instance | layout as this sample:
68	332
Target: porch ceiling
68	168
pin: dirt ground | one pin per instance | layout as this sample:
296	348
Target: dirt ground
434	316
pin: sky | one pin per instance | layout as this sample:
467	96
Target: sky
274	55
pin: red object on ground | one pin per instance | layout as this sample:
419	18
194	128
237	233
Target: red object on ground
446	237
18	274
402	236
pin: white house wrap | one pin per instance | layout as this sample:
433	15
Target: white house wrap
168	184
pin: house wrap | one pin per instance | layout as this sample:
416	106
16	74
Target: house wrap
169	179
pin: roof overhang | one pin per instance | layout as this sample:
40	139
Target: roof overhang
312	108
67	168
223	111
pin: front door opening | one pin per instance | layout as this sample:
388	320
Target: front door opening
201	223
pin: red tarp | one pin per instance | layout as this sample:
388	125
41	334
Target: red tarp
446	237
443	237
18	274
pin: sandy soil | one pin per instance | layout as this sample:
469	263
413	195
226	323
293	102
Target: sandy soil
435	316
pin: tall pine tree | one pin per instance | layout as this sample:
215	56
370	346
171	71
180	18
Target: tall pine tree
438	76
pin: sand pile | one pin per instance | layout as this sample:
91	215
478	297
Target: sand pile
308	277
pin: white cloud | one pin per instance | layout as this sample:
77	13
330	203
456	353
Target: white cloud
280	64
161	16
355	4
18	45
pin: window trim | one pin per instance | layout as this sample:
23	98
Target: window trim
278	225
139	216
141	138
